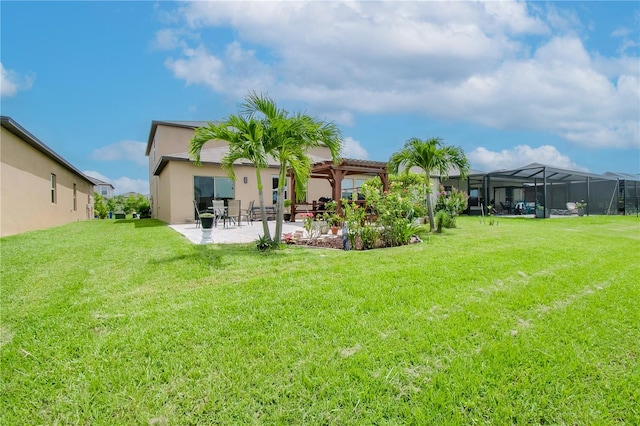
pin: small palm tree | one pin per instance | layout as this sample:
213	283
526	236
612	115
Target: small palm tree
287	138
430	155
245	137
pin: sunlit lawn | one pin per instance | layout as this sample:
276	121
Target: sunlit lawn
530	321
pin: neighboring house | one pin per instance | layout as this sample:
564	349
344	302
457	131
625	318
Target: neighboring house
551	187
38	188
103	188
175	182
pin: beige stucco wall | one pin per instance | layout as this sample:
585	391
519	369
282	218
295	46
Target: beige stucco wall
174	202
172	192
25	189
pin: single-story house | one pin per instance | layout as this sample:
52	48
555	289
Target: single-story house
38	188
551	187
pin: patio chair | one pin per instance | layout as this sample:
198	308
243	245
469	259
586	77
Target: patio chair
233	210
246	213
219	211
195	207
571	207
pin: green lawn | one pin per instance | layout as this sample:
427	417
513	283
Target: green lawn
126	322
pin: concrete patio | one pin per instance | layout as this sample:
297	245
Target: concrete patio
234	234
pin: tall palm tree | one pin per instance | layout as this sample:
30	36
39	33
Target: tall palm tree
430	155
244	136
287	138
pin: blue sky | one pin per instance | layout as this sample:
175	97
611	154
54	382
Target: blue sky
509	82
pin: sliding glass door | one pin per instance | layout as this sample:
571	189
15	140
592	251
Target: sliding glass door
209	188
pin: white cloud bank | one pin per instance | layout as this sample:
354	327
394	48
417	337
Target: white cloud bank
11	82
518	156
122	184
124	150
466	61
352	149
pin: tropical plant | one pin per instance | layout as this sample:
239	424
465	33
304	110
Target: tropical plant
430	155
287	138
442	220
264	243
245	138
99	206
453	202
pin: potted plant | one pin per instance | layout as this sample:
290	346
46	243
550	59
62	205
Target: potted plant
581	207
206	219
541	212
333	221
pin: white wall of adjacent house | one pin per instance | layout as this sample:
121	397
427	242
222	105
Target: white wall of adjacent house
37	192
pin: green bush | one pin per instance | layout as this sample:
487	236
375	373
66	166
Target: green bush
443	220
99	206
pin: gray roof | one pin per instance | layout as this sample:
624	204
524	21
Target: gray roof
538	171
97	181
624	176
12	126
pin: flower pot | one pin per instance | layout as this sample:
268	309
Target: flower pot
334	230
580	212
541	214
207	222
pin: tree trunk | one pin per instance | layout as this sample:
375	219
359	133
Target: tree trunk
282	180
263	212
432	225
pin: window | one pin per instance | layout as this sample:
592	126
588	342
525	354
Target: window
54	196
103	191
75	199
347	188
274	189
209	188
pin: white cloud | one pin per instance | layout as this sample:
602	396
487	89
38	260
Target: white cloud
463	61
11	82
122	184
628	40
518	156
124	150
167	39
352	149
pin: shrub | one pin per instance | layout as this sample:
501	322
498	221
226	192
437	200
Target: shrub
453	203
99	206
443	220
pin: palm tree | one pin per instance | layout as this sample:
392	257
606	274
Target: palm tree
244	136
287	139
430	155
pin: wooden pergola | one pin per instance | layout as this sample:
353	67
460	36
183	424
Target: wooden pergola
335	173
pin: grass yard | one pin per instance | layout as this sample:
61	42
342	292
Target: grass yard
530	321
